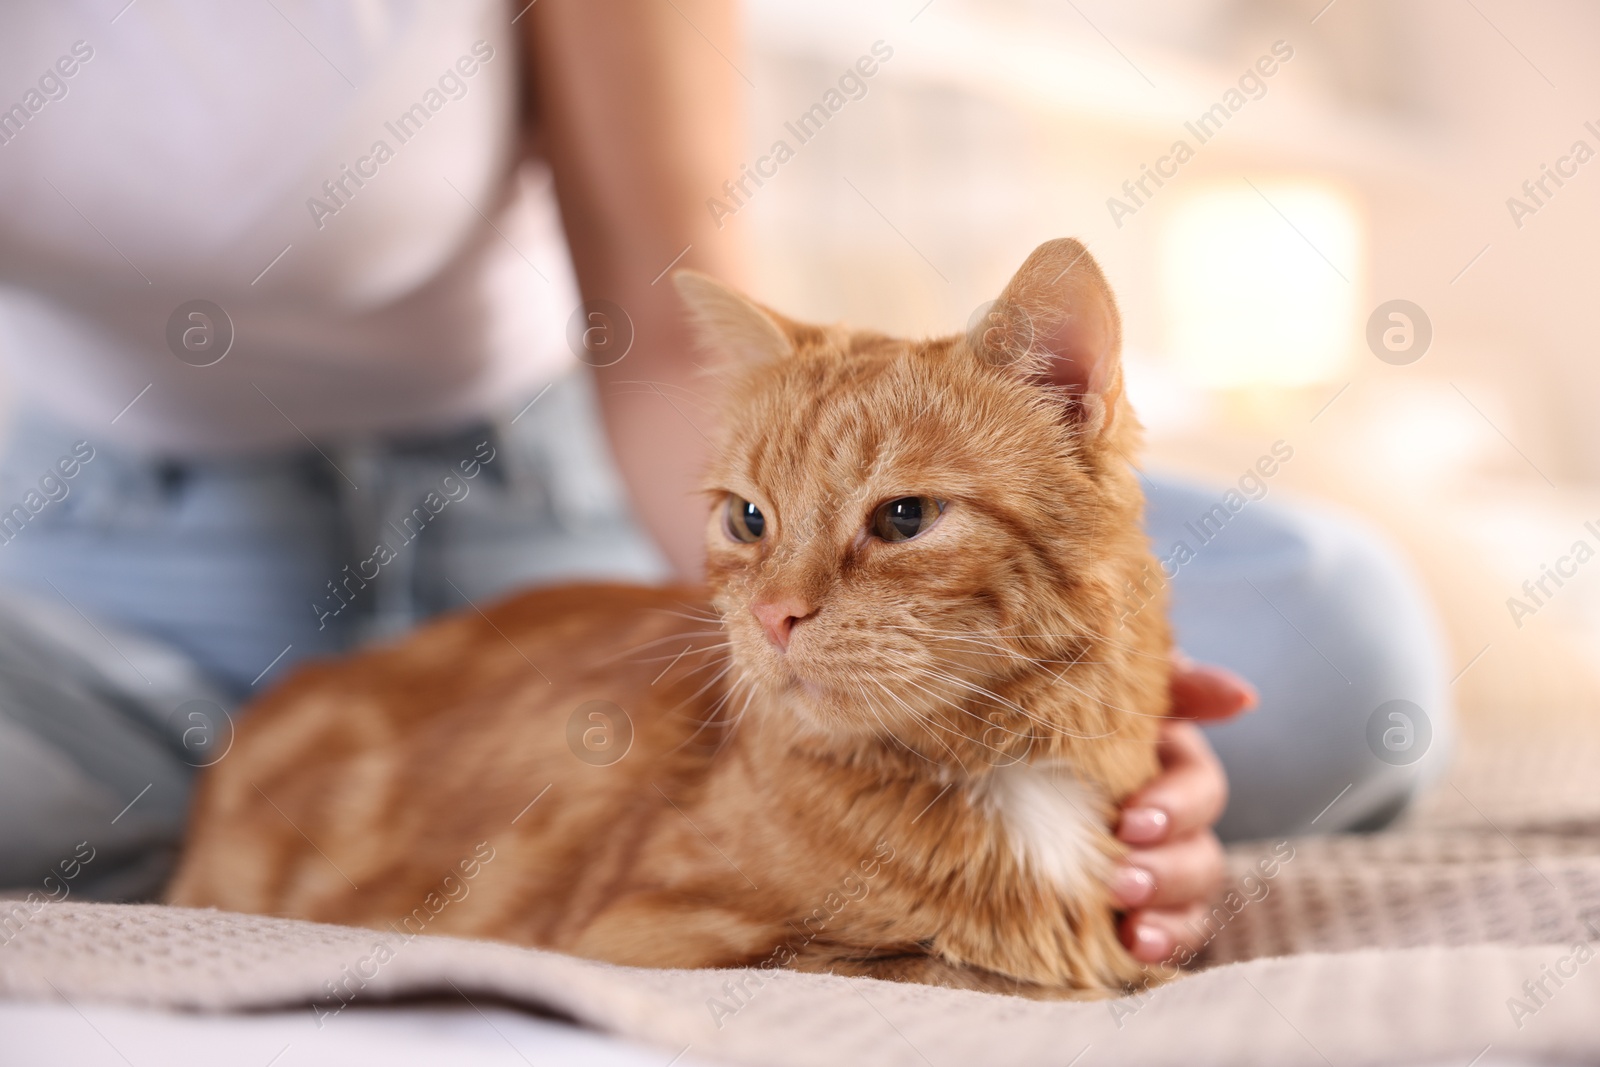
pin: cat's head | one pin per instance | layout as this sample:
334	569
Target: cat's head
935	540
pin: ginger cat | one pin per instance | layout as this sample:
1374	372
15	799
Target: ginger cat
887	741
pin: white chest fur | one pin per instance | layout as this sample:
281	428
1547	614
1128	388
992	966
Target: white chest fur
1053	822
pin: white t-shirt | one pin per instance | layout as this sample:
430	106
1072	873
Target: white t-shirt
340	177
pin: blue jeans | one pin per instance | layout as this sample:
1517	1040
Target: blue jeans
135	591
1331	626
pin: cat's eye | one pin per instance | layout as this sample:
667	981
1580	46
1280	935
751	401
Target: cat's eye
906	517
744	520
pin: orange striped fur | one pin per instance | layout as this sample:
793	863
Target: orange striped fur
894	758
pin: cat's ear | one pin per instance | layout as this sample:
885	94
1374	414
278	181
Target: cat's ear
1057	322
729	322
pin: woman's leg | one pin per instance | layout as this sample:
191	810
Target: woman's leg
101	731
1334	630
220	559
140	601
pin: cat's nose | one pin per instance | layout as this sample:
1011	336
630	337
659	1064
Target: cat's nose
777	618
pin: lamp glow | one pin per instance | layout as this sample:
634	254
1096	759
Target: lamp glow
1262	288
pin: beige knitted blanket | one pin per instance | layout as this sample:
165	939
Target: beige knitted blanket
1475	927
1392	1005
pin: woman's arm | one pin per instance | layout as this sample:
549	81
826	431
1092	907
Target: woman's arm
641	118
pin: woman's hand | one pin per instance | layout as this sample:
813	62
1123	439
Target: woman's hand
1174	862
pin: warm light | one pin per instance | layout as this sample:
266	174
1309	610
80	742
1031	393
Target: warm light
1261	285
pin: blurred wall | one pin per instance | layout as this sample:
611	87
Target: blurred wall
1374	165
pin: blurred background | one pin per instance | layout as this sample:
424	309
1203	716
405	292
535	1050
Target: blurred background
1373	165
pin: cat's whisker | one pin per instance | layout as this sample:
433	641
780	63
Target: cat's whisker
714	716
923	721
939	675
1114	643
632	652
987	723
708	665
1085	632
1010	705
749	695
692	697
681	635
951	635
979	741
720	646
713	711
979	690
889	733
995	631
1106	703
693	613
1000	651
923	670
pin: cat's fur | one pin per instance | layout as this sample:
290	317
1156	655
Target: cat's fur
918	788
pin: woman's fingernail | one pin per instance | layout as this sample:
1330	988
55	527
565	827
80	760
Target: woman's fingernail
1151	944
1132	886
1227	685
1142	826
